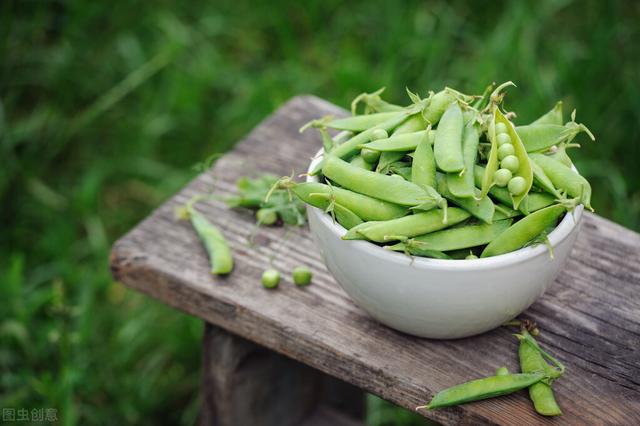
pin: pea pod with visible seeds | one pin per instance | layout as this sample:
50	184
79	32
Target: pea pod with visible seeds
387	188
524	231
565	178
408	226
447	147
487	387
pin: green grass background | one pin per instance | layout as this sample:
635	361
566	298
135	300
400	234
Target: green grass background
106	106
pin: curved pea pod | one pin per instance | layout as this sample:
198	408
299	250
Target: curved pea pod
461	184
541	394
447	147
487	387
480	207
343	215
564	178
553	116
404	142
388	188
363	206
539	137
524	231
423	165
407	226
350	146
460	237
359	123
532	202
220	257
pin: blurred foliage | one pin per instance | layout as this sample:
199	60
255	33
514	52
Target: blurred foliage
105	106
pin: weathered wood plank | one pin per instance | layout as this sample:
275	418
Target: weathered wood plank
590	317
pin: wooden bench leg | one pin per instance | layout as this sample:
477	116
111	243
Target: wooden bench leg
246	384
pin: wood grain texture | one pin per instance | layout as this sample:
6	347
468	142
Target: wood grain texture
590	317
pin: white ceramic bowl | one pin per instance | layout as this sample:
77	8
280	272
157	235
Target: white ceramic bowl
436	298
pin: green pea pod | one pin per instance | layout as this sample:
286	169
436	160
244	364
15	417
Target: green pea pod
504	212
447	147
564	178
532	202
524	231
350	147
439	102
487	387
541	394
361	163
540	137
553	116
403	171
524	170
373	103
423	166
388	188
400	143
417	251
543	181
363	206
343	215
480	207
408	226
360	123
220	257
413	124
460	237
561	155
461	184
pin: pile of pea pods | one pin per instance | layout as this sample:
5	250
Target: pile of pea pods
449	176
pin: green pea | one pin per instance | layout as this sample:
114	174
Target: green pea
503	138
301	276
447	147
517	185
505	150
523	231
511	163
379	134
374	184
370	155
503	371
501	128
266	216
502	177
270	278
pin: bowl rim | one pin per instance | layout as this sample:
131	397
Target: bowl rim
567	225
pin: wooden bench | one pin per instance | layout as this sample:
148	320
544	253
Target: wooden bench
303	355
